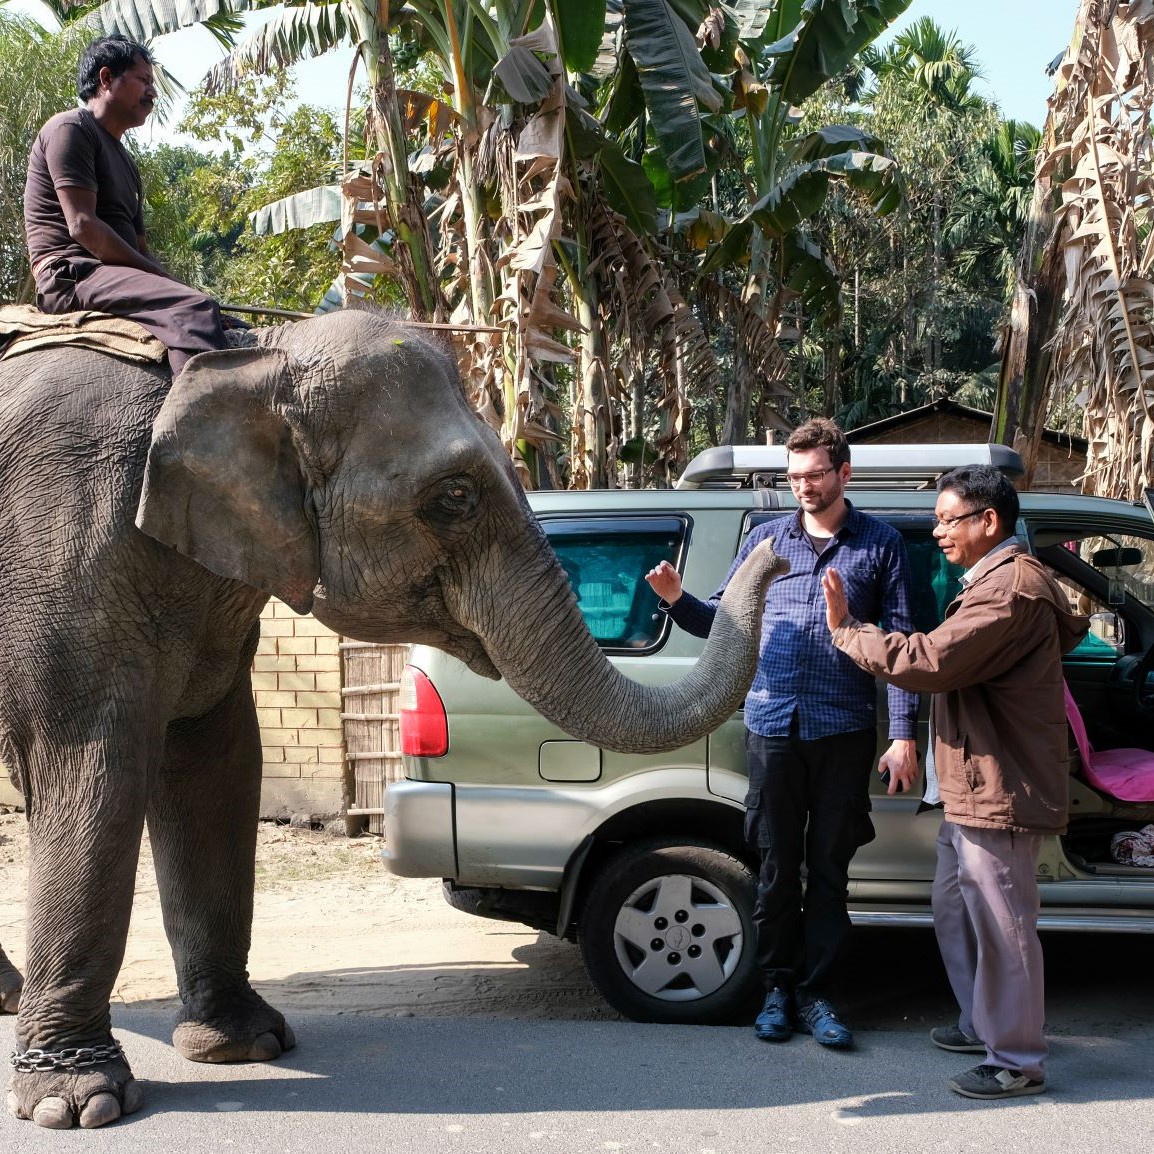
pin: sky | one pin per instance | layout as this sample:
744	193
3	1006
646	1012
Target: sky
1014	40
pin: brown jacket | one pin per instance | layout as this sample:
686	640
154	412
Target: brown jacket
994	666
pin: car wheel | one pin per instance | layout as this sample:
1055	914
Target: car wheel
666	933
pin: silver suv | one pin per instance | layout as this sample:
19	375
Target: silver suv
641	859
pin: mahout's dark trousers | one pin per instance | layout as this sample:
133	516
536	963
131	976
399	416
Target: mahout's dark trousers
183	319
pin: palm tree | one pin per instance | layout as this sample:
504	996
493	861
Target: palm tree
932	62
922	97
987	222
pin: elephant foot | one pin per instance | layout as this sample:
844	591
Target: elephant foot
11	983
60	1099
245	1029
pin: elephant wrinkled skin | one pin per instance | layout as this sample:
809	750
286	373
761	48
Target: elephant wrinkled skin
143	525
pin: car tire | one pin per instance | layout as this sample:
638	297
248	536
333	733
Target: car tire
666	933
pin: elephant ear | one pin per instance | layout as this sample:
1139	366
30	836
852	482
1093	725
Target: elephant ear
223	484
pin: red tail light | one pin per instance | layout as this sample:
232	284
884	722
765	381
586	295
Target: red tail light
424	726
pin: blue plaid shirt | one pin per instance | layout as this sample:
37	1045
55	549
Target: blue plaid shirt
800	671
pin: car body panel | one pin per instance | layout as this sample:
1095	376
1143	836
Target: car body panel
534	851
422	842
513	828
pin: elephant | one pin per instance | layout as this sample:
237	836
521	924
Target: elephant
144	522
11	983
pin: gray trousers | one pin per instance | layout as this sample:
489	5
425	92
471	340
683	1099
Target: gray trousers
183	319
986	901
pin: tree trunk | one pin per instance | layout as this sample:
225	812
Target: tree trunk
637	425
414	252
735	429
1024	377
831	357
592	416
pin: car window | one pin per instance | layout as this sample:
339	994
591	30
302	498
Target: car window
1123	559
934	581
1109	576
607	559
1106	639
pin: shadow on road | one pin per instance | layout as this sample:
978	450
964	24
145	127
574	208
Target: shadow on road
534	1038
893	981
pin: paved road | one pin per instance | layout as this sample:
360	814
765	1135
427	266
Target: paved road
482	1083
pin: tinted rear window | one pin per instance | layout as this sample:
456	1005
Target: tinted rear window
607	559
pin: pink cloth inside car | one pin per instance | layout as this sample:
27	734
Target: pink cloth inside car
1124	774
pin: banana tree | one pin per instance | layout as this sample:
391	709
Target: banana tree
667	87
675	73
1081	330
787	50
298	31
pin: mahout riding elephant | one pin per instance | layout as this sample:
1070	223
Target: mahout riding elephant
143	525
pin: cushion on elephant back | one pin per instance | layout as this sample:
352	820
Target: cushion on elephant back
24	328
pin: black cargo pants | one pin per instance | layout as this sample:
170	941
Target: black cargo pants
808	802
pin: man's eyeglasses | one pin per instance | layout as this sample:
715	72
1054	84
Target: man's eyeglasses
814	478
948	523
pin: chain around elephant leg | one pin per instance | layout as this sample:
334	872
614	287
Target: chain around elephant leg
240	1028
66	1095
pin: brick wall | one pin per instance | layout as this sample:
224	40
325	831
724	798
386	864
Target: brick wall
296	682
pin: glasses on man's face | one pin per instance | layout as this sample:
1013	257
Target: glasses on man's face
814	478
948	523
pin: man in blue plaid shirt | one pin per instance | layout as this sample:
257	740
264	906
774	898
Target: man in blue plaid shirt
811	723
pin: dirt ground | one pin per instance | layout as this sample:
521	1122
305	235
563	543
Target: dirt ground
334	930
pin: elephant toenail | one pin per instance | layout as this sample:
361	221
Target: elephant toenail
99	1110
53	1114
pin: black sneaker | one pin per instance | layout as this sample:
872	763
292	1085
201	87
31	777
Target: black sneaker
990	1082
775	1022
955	1039
820	1019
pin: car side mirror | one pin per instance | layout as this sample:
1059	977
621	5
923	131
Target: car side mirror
1106	627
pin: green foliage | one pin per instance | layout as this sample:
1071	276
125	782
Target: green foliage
174	214
988	218
675	81
269	154
730	180
827	35
37	80
579	30
931	280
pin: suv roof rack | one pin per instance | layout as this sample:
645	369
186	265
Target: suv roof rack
878	466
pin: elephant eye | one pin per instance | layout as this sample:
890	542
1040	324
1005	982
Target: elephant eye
453	499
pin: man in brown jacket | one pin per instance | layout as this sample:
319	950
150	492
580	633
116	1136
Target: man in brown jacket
998	725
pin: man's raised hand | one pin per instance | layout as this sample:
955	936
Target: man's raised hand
836	605
665	581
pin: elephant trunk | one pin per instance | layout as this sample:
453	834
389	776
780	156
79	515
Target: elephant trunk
567	678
